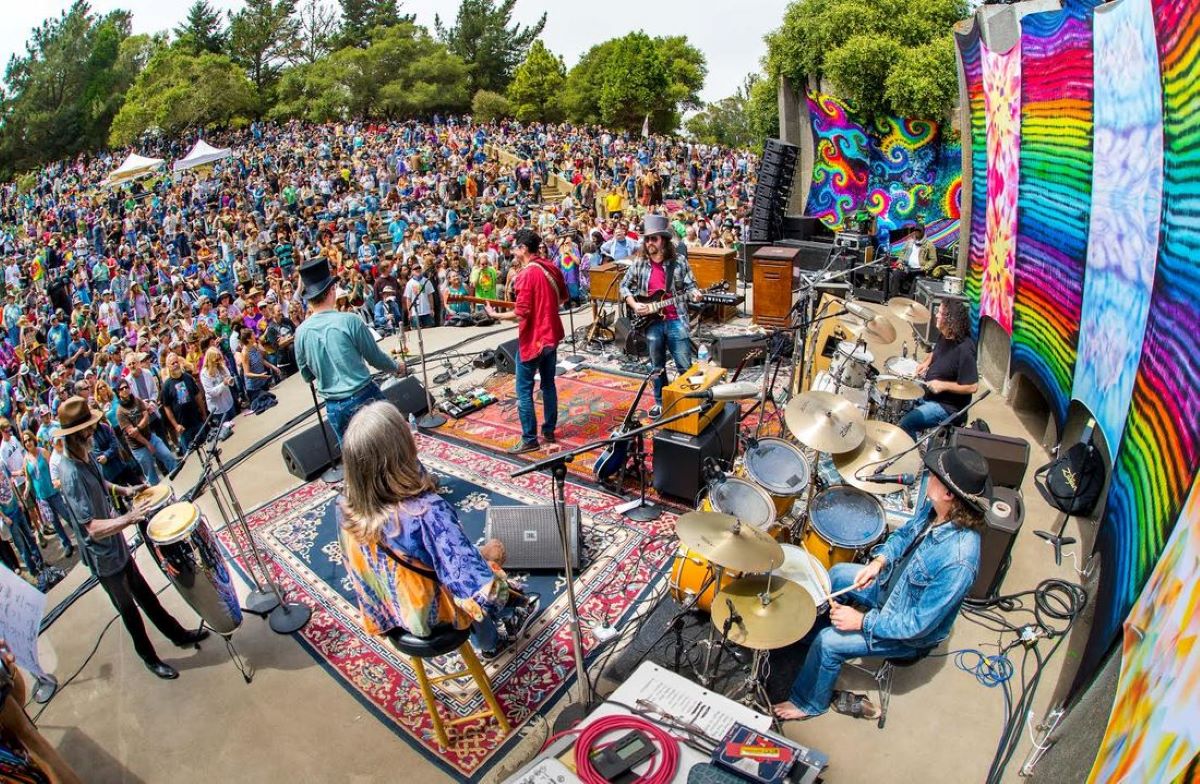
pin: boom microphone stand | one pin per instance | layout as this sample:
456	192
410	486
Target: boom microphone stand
431	418
333	474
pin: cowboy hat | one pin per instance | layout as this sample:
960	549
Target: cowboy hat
74	415
964	472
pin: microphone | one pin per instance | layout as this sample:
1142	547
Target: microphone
858	311
886	479
734	616
738	390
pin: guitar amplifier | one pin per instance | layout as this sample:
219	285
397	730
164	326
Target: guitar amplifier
679	458
697	379
530	535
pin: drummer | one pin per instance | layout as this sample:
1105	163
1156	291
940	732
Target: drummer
99	528
950	372
910	592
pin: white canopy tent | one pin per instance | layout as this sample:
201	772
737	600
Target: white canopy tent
134	166
200	154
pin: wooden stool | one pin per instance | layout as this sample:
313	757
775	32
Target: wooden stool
445	639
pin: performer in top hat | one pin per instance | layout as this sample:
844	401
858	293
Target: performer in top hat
662	269
910	593
333	349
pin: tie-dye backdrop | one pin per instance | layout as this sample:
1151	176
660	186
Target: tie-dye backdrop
1126	208
899	170
1056	182
1160	449
1002	102
970	48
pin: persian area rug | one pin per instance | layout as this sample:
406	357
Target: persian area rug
623	572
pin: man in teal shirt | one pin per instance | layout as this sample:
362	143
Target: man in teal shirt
333	349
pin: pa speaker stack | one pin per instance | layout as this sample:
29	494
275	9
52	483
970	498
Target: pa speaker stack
775	175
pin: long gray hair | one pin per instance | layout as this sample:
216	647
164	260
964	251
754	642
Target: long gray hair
379	457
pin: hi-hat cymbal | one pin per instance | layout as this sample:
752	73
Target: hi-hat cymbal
908	310
824	421
899	388
882	442
769	619
725	541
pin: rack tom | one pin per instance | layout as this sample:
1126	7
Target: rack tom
843	524
780	468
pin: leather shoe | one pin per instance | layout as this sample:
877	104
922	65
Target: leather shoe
162	670
191	638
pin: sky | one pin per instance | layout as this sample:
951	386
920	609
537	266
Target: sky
732	42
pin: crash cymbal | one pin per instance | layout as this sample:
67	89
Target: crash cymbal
908	310
824	421
878	328
769	619
900	388
722	539
881	442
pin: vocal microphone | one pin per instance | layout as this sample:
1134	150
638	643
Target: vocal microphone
858	311
738	390
734	616
887	479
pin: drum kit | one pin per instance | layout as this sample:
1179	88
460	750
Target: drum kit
747	557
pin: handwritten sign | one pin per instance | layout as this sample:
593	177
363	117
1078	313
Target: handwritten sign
21	609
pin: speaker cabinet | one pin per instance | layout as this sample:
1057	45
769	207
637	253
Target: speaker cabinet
507	356
679	458
730	350
305	455
1002	524
406	394
1007	457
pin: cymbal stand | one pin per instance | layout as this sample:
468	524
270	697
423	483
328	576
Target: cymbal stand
431	418
752	691
706	677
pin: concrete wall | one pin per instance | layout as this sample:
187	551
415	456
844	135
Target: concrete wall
795	127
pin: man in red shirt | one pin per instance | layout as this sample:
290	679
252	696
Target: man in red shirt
540	291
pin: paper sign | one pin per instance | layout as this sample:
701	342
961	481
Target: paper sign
21	609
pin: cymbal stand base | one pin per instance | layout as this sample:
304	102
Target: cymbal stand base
752	692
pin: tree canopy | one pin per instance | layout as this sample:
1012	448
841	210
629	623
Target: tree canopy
263	36
743	120
360	17
484	36
535	93
201	31
885	57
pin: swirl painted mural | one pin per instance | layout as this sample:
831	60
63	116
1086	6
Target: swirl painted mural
970	49
901	171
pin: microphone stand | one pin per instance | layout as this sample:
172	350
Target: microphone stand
431	418
939	427
333	474
574	357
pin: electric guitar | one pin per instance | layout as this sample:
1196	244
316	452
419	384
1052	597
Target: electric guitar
660	301
616	453
495	303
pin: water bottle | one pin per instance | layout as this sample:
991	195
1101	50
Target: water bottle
703	354
412	421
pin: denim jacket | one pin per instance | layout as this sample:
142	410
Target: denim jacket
925	597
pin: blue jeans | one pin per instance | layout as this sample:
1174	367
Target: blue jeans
26	543
543	366
54	511
661	337
923	416
145	457
812	691
340	412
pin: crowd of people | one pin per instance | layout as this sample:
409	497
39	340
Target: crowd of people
175	296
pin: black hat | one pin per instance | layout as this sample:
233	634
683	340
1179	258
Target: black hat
316	277
964	472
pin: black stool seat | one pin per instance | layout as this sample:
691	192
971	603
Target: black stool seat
442	640
908	661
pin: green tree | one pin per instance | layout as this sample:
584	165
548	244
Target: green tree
263	36
177	91
202	30
762	106
871	50
741	120
402	73
536	89
484	36
487	106
360	17
316	31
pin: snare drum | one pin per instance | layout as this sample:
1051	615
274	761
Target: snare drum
806	570
905	367
844	523
186	549
689	572
780	468
852	364
744	500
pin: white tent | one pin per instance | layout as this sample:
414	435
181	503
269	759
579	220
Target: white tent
134	166
201	154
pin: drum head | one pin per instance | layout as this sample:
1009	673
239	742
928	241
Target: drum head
901	366
153	495
804	569
744	500
173	523
779	466
847	517
855	352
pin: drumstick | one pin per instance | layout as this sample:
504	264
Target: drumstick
836	594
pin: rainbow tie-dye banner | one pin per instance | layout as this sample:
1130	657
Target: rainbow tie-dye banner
1002	102
970	48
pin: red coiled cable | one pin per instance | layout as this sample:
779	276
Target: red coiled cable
662	769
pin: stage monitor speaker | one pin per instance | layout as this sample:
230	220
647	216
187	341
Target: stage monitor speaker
628	340
530	535
679	458
406	394
1007	457
1002	524
799	227
305	455
730	350
814	254
507	356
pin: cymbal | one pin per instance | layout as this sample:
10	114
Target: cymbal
824	421
881	442
723	540
908	310
877	329
786	616
900	388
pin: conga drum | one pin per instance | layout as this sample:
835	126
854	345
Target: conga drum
187	551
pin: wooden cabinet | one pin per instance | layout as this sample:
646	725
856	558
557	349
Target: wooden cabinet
774	280
713	265
606	282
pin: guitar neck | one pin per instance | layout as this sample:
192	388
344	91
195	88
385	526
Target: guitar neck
495	303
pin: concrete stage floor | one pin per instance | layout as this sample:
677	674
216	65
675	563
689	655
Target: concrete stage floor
118	723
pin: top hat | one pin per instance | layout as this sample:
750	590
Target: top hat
964	472
656	226
316	277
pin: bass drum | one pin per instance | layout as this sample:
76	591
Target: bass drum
844	523
692	574
806	570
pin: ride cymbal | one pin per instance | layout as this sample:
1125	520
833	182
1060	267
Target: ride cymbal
768	619
727	542
908	310
824	421
882	441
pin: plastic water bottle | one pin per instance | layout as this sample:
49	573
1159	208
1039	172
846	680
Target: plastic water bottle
702	355
412	421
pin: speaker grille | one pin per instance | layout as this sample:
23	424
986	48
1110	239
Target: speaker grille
530	535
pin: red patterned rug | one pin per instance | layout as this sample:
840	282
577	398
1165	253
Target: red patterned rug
623	571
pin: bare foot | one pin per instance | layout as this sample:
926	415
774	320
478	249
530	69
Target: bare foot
789	712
